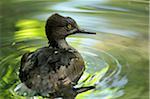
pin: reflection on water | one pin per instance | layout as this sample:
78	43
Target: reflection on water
116	58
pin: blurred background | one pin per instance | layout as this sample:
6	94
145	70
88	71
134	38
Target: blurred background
116	58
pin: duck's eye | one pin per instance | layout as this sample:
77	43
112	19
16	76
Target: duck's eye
69	26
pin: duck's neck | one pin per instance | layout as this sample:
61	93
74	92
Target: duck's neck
61	43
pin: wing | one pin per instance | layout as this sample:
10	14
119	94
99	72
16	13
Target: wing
28	61
34	70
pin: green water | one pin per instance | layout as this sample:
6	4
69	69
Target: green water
116	58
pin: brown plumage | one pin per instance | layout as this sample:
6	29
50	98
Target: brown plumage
54	70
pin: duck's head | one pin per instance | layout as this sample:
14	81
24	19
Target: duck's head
59	27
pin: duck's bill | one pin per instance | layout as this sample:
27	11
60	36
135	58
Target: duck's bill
85	32
79	31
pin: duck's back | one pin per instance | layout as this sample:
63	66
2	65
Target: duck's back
47	70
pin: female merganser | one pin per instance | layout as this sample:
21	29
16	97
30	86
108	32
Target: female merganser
54	70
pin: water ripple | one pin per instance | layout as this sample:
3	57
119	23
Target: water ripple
102	70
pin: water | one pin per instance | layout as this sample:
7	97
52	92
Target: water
116	58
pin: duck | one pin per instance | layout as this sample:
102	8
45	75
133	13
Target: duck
54	70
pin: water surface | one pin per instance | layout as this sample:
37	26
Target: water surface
116	58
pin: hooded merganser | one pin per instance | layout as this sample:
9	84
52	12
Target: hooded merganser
54	70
